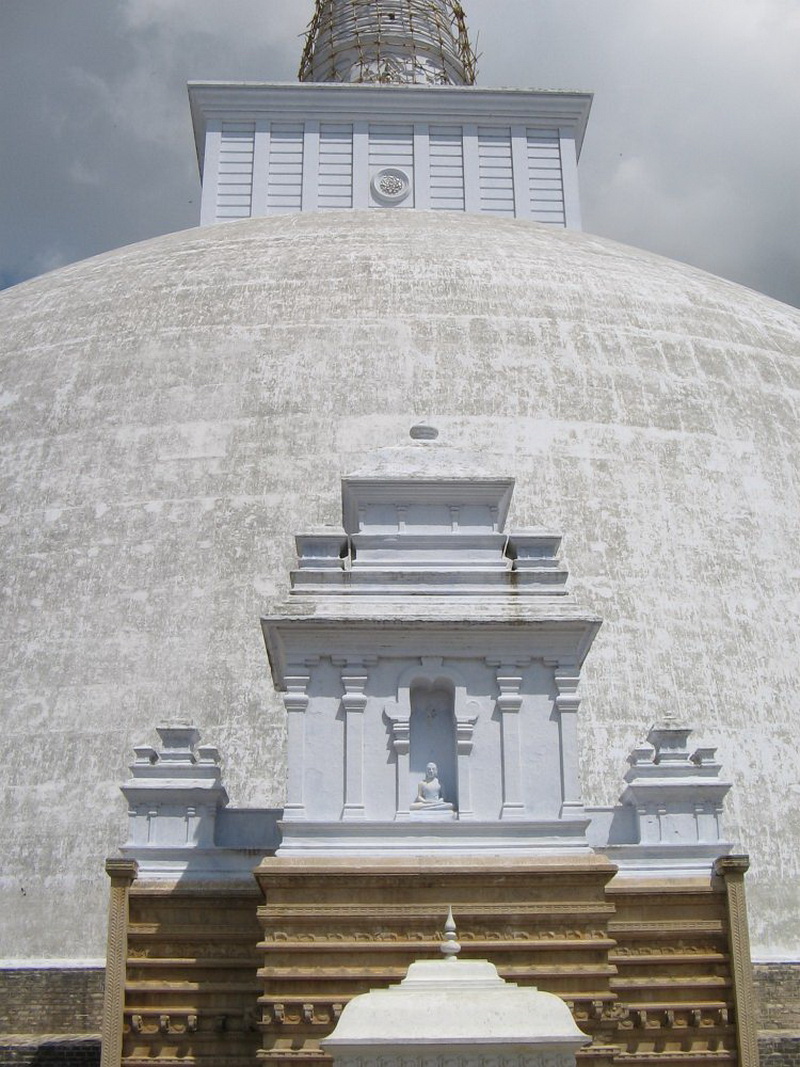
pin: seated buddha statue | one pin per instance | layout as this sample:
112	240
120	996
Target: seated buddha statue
429	792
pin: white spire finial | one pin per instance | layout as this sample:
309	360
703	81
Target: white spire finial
395	41
450	947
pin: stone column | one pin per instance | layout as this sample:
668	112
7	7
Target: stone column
464	730
354	702
509	702
732	870
567	678
295	701
122	874
401	743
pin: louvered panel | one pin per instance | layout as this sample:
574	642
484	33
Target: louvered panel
545	181
235	180
446	168
496	172
392	146
285	185
335	166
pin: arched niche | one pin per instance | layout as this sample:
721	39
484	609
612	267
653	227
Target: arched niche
432	736
432	676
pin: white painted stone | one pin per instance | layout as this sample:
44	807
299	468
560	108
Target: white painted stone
430	801
523	837
412	632
312	147
677	794
175	797
190	402
677	798
174	793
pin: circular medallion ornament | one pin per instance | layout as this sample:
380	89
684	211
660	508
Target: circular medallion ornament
391	185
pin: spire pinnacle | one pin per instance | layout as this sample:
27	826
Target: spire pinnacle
450	947
389	41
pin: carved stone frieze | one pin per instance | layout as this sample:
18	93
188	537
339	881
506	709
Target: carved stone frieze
646	969
302	1013
680	947
351	936
192	986
667	928
157	1022
467	934
546	1059
408	910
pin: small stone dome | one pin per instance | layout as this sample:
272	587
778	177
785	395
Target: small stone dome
443	1004
175	411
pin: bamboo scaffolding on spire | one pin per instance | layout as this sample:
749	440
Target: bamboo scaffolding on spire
389	41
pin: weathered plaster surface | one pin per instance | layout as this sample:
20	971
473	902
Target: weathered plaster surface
173	412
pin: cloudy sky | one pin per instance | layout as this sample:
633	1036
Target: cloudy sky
693	148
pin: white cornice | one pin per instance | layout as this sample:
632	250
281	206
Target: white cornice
561	636
249	101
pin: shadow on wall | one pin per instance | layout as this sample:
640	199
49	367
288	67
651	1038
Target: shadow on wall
56	1053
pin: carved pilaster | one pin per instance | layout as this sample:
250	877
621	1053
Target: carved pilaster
733	869
122	874
295	700
567	677
509	703
354	703
401	743
466	717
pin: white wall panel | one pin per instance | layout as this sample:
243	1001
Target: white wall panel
235	173
496	170
335	166
285	191
446	168
545	178
391	146
319	147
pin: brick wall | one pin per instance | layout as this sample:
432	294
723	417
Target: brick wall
779	1051
51	1001
57	1052
778	995
50	1017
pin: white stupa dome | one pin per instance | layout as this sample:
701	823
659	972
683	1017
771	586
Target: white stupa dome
175	411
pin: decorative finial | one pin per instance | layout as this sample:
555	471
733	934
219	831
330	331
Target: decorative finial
450	947
423	431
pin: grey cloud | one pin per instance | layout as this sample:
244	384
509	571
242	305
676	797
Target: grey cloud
690	149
